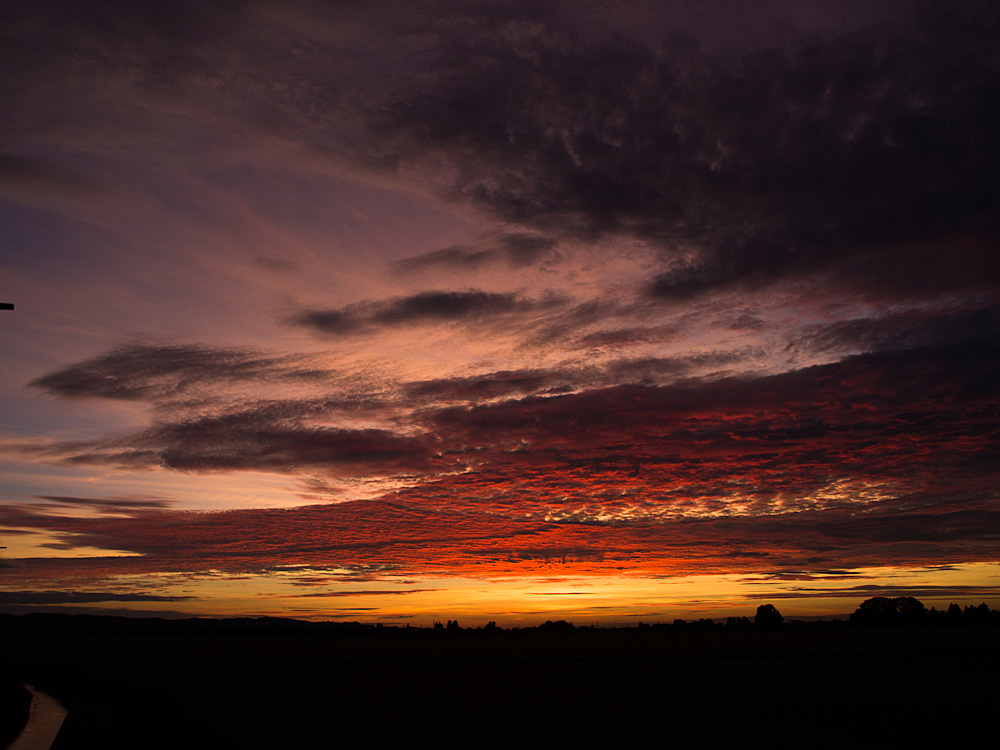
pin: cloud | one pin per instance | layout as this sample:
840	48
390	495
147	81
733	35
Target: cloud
107	504
506	384
372	592
627	337
855	168
516	250
148	372
248	441
418	540
870	426
422	308
957	591
861	154
886	458
832	156
19	173
80	597
660	369
972	327
489	386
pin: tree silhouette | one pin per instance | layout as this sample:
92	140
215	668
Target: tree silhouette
882	612
556	628
768	618
976	616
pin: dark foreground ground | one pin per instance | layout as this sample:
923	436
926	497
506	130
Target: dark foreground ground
819	689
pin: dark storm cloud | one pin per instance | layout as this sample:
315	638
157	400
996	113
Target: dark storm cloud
422	308
515	250
146	372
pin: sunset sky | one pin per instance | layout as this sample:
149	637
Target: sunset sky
404	311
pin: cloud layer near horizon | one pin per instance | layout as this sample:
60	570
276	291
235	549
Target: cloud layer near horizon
892	451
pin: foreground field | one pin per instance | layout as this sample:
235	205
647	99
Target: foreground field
819	689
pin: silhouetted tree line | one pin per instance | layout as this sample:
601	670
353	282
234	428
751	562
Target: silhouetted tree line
907	612
877	612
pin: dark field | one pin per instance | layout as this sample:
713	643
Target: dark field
806	689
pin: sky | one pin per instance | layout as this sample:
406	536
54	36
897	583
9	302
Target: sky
410	311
